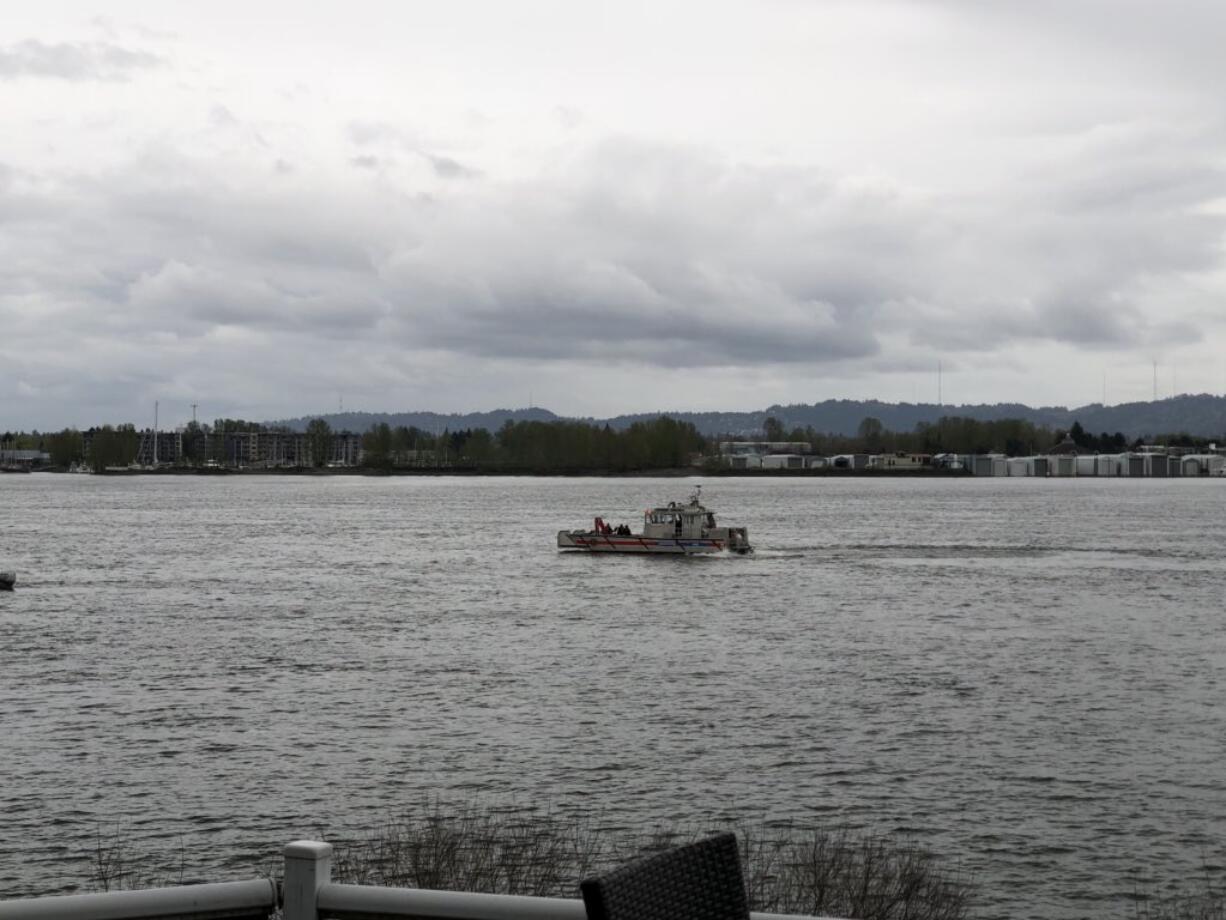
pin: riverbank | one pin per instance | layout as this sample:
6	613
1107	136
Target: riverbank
674	472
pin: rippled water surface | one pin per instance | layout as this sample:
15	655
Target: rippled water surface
1025	675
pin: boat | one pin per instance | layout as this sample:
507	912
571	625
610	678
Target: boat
7	580
16	461
673	529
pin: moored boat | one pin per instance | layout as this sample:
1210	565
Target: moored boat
673	529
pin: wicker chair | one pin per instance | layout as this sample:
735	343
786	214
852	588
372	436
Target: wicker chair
701	881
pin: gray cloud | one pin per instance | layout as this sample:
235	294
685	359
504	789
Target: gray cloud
645	255
1054	187
73	61
385	136
207	297
447	168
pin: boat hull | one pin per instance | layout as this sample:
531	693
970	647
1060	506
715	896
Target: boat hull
7	580
592	542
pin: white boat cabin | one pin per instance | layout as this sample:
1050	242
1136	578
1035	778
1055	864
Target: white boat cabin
691	521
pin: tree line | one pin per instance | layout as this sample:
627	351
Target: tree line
557	447
575	446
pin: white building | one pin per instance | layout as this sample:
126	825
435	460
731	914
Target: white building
783	462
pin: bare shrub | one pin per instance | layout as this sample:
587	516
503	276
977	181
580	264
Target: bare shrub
787	870
837	873
116	866
471	849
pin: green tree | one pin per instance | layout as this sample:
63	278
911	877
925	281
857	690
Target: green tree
66	447
319	437
113	447
402	443
479	448
377	447
870	432
195	443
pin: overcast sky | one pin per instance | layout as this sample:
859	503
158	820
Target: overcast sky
268	208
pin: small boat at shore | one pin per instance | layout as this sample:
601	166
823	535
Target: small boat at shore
672	529
7	580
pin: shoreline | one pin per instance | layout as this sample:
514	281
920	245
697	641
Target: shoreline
668	473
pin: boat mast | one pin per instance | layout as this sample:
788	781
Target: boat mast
155	433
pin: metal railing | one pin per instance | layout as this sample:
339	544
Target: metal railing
228	900
308	893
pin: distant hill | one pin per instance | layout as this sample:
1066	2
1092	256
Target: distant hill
1201	415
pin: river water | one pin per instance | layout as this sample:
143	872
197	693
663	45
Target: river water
1024	675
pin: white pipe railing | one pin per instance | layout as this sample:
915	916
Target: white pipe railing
308	893
216	901
356	901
